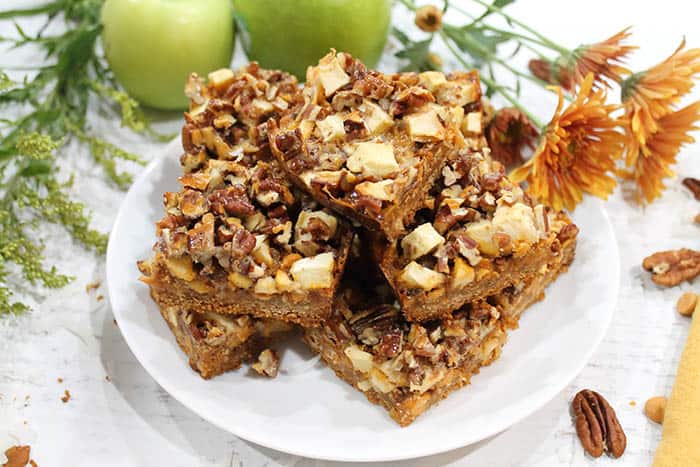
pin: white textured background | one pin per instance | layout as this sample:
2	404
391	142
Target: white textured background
127	419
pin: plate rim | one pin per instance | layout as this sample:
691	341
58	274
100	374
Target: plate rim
192	404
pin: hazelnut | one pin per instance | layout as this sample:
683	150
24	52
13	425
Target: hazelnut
655	409
687	303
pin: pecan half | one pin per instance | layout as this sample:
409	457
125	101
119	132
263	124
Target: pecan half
693	184
597	425
670	268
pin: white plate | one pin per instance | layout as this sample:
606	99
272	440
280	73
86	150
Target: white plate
307	411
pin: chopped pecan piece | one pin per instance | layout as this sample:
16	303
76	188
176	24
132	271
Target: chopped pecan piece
597	425
670	268
268	363
232	201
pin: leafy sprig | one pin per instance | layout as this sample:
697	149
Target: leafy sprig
49	108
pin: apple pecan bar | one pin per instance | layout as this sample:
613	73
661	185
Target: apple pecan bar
370	145
216	343
408	367
238	237
478	234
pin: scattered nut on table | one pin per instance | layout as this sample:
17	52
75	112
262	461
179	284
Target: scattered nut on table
655	409
597	425
670	268
686	303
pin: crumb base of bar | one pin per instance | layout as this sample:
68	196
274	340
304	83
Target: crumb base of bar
404	407
212	360
441	302
307	308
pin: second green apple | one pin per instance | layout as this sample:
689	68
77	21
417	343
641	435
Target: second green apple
293	34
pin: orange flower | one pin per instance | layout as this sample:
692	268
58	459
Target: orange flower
603	59
508	133
577	153
653	160
649	98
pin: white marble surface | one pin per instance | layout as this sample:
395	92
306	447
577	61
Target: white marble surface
118	416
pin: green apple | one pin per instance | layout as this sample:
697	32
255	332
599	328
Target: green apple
153	45
292	34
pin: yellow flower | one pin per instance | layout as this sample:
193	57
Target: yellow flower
603	59
577	153
649	99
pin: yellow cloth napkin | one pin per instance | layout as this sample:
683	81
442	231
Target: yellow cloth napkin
679	444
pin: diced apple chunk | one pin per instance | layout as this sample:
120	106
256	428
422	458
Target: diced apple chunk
421	241
361	360
315	272
472	123
432	80
379	190
462	274
265	286
518	221
261	251
262	106
373	160
181	268
425	125
331	128
332	76
220	79
482	233
419	277
376	120
239	280
328	219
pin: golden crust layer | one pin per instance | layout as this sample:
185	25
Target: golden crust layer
215	343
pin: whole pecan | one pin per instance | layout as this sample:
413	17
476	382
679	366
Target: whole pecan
597	425
670	268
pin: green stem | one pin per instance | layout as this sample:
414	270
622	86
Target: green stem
408	4
492	84
551	44
49	8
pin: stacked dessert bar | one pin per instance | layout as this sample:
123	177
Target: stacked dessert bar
363	207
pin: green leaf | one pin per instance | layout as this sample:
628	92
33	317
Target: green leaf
479	44
417	53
